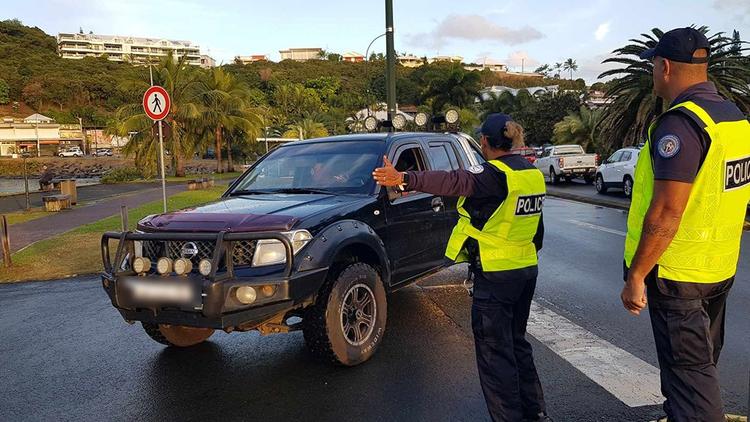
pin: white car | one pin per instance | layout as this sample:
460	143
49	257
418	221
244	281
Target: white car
71	152
617	171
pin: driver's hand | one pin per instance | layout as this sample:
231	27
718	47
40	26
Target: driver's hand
388	175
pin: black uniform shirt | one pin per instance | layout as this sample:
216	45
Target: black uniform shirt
679	146
485	189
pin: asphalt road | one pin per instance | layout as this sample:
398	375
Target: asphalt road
580	191
66	354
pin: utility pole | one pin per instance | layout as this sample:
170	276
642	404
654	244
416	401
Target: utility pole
38	144
390	52
83	137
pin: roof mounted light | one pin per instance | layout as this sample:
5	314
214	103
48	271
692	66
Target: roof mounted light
371	123
399	121
451	116
421	119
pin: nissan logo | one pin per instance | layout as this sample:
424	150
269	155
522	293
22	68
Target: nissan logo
189	250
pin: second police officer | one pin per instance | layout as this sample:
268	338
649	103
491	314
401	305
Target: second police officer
499	232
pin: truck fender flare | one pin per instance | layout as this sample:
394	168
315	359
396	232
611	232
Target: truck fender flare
331	240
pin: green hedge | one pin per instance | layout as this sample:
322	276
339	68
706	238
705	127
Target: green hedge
125	174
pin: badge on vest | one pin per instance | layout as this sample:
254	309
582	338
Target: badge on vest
529	205
736	173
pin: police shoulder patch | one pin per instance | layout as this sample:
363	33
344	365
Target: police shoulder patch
476	169
668	146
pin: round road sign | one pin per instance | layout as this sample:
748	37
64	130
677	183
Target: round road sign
156	103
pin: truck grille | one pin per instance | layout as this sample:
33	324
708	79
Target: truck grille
242	251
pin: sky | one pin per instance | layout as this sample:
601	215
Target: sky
512	32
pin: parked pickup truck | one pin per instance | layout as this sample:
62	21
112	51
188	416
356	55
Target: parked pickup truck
567	161
303	240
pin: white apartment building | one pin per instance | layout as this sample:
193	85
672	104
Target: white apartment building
250	59
124	48
207	61
301	54
410	60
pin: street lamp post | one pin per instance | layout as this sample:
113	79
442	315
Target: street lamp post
26	180
390	60
367	61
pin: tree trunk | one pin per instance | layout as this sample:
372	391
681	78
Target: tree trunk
230	163
219	169
179	165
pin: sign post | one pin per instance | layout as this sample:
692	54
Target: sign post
156	104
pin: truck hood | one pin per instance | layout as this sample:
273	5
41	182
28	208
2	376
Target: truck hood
277	212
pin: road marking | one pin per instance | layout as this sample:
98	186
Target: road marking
630	379
600	228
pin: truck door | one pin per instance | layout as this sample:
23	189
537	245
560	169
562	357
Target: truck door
415	220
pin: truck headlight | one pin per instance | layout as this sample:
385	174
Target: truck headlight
141	265
164	265
246	294
204	267
271	251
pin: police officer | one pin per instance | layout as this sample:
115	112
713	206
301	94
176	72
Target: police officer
499	232
685	223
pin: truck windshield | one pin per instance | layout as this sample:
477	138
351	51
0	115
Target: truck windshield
336	167
568	150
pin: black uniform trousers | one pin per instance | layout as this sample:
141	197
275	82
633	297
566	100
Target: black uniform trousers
507	372
689	335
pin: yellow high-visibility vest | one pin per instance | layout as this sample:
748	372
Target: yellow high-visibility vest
707	244
506	240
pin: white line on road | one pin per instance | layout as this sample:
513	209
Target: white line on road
600	228
630	379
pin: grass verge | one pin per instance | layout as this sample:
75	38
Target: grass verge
78	252
24	216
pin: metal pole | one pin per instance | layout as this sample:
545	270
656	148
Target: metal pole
367	80
38	144
163	179
390	60
83	137
265	137
5	242
26	183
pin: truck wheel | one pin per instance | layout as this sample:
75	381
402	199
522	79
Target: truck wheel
599	184
588	179
553	177
176	335
346	324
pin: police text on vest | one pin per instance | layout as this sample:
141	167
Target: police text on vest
737	173
529	205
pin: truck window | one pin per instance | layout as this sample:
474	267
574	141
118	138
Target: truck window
410	159
441	158
568	150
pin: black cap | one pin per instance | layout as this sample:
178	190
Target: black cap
494	129
679	45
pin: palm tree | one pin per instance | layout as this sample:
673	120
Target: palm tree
578	128
452	85
180	80
634	105
558	67
503	102
571	66
224	108
306	129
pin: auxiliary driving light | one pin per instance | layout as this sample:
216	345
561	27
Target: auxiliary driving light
268	290
141	265
451	116
204	267
182	266
399	121
421	119
246	294
164	265
371	123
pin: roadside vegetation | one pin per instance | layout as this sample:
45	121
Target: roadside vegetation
77	252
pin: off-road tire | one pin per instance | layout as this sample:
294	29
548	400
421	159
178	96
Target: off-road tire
156	334
322	324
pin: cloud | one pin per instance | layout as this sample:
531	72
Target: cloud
601	31
740	9
473	28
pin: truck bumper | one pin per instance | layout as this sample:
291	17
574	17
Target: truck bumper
584	172
208	301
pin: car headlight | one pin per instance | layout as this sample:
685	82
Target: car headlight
204	267
271	251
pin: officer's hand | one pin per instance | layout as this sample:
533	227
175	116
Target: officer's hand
634	296
388	175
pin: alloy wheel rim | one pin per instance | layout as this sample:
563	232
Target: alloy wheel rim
358	312
628	188
599	183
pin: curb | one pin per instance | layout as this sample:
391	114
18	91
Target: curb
588	200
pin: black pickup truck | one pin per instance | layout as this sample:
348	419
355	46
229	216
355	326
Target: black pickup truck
304	239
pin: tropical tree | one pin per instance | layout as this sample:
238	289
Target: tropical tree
571	66
451	84
558	68
578	128
181	82
503	102
225	108
634	105
306	129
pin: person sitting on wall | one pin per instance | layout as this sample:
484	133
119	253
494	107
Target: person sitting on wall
45	180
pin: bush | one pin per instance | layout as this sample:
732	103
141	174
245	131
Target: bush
125	174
